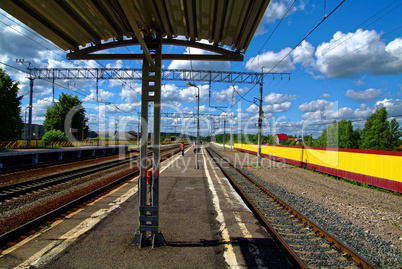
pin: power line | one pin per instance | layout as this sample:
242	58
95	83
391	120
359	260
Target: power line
328	123
306	36
396	29
325	17
271	34
328	48
15	68
63	56
29	30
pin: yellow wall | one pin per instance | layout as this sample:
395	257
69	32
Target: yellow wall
376	165
284	152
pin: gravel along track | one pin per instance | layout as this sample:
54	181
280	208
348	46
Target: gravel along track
367	220
24	208
312	249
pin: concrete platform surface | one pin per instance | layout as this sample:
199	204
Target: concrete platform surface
203	220
15	152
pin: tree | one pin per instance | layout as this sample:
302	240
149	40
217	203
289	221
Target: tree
396	132
11	124
56	115
332	135
348	138
271	140
377	132
339	135
321	140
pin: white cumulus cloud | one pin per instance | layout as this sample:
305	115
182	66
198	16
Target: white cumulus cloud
101	96
351	54
394	107
277	98
315	105
325	96
366	95
199	65
276	108
270	59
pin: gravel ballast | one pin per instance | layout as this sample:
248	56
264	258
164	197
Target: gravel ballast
368	220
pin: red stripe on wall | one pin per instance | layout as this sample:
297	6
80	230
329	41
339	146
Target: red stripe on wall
374	181
365	151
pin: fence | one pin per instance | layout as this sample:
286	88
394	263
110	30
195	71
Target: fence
374	167
20	144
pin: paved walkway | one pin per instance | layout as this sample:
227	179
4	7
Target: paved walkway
205	224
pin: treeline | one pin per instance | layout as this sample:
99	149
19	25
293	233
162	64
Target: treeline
253	139
378	134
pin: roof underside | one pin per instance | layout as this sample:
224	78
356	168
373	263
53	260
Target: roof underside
73	24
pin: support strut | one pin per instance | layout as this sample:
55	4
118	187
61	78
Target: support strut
149	211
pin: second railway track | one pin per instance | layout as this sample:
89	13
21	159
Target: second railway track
15	190
49	211
309	245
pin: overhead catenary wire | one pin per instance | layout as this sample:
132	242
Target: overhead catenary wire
26	72
269	37
270	71
29	30
304	38
359	48
329	122
47	41
330	47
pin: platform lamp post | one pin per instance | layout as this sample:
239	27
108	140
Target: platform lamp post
189	84
25	127
83	128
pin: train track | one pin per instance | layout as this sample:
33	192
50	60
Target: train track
43	165
308	245
26	228
15	190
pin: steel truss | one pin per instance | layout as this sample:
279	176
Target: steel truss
190	116
136	74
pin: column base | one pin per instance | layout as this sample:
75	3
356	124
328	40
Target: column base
155	239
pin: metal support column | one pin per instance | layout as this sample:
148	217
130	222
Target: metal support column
259	127
53	85
231	138
149	212
224	132
138	131
31	83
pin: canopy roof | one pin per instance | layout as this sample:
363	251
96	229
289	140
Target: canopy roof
73	24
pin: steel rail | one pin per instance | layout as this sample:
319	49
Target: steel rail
21	188
293	257
33	224
331	238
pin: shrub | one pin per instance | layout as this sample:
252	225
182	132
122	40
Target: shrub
54	135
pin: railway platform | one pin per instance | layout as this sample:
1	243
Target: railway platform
203	220
9	158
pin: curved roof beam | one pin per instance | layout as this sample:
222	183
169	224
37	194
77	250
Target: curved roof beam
220	54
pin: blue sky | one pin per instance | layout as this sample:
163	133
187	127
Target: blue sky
346	68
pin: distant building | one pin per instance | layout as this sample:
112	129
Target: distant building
37	131
298	140
123	136
280	139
